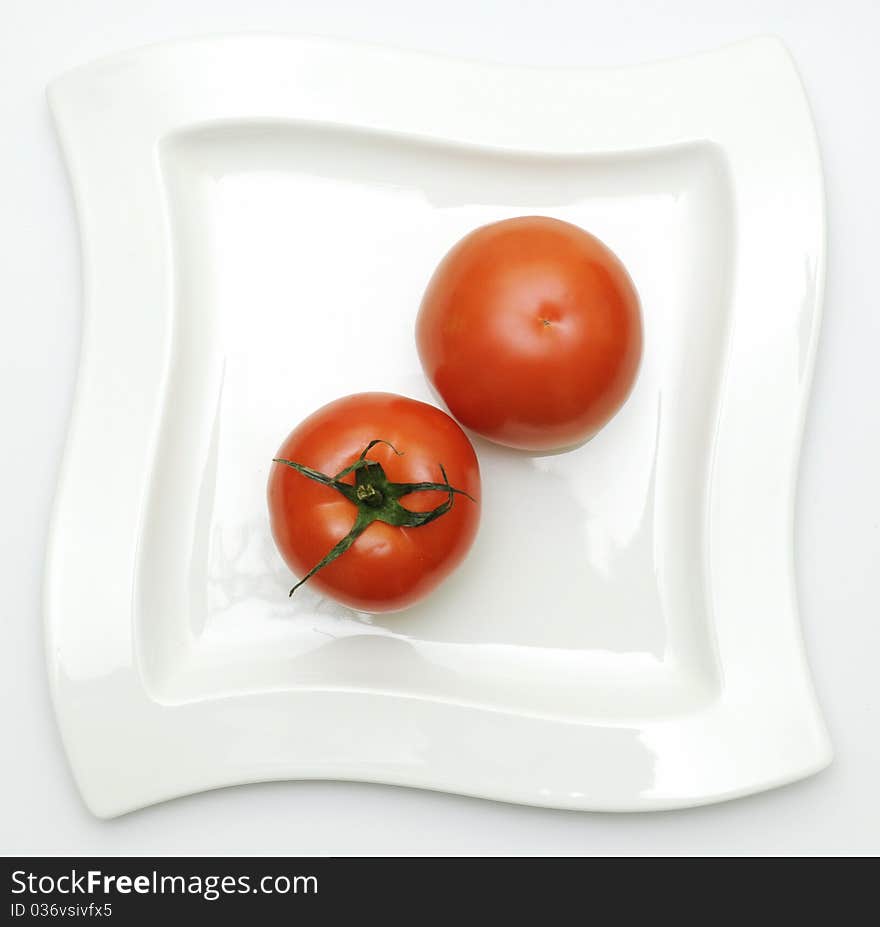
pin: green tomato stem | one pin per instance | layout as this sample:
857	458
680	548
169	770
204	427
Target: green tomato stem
376	499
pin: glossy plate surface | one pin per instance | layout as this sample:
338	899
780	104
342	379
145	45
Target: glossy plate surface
259	217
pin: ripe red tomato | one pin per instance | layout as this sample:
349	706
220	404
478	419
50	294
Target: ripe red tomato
530	330
383	450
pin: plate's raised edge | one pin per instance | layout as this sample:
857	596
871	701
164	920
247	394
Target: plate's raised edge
825	749
110	63
78	116
439	78
813	203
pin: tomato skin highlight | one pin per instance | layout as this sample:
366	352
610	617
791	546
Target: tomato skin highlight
387	568
530	330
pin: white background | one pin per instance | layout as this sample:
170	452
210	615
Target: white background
838	511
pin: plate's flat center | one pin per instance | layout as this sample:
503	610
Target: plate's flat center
301	256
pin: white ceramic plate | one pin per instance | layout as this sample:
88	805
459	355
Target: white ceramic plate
259	216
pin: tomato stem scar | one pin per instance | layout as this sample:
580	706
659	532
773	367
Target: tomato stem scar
376	498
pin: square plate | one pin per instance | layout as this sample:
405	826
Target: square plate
625	638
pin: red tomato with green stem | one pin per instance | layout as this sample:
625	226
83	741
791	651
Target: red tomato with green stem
374	500
530	330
